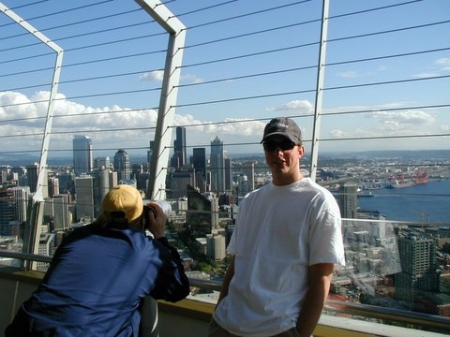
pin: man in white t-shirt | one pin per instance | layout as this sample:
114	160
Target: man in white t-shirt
286	241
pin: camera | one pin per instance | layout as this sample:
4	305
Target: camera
165	206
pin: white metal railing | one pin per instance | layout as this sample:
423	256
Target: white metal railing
336	308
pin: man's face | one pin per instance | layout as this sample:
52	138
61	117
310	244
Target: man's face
282	156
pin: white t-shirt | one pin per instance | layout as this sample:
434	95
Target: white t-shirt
280	232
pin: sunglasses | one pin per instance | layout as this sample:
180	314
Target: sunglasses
283	145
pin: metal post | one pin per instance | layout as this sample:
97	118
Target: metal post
32	232
163	134
319	91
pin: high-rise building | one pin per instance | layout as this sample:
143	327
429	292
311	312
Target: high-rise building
228	174
66	182
179	181
33	174
418	258
216	248
84	191
217	166
348	200
22	194
199	162
8	211
122	165
104	180
179	148
100	162
3	175
82	154
62	215
199	213
53	186
248	168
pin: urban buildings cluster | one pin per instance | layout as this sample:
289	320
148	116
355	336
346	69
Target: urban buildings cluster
389	264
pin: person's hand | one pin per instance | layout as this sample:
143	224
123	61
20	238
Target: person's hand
157	225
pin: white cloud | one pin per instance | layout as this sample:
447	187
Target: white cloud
154	76
109	126
426	74
191	78
303	107
347	74
337	133
403	118
444	63
158	75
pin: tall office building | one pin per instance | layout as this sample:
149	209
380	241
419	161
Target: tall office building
33	174
3	175
22	195
199	162
216	247
228	174
179	148
418	254
104	180
66	182
62	216
100	162
248	168
53	186
199	216
82	154
179	180
122	165
217	166
8	211
348	200
101	187
84	190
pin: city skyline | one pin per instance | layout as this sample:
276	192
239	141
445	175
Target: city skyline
401	99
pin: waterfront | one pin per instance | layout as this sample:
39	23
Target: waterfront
425	202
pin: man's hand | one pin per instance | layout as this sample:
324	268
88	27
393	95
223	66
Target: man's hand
157	224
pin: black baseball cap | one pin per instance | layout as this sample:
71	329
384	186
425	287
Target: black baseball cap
285	127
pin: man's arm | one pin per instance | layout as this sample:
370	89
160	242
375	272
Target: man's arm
316	296
226	282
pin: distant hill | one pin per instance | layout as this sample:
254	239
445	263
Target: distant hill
21	159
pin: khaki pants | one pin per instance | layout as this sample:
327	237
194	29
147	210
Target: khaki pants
215	330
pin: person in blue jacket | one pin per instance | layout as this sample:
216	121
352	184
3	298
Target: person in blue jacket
101	273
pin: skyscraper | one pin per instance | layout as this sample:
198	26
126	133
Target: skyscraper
32	174
53	186
419	271
84	189
122	165
248	168
217	166
179	145
100	162
82	154
199	162
63	218
8	210
347	200
21	194
104	180
228	174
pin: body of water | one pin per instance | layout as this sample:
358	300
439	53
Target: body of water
428	202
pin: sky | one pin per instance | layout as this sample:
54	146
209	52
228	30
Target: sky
386	79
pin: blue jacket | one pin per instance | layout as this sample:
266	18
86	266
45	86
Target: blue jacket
95	284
